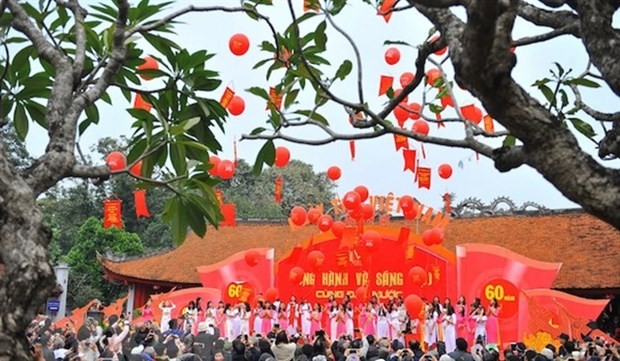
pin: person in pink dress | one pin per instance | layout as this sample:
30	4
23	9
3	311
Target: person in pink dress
316	317
492	322
267	317
220	318
341	321
369	324
283	316
462	328
147	311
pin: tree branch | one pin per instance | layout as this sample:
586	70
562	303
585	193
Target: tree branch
553	19
80	40
565	30
600	116
439	3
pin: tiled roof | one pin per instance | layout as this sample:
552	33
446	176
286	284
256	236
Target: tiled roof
588	248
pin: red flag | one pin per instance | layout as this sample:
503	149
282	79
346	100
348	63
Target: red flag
227	97
409	155
439	124
139	197
403	235
400	141
229	213
278	191
417	167
385	83
112	215
274	98
385	9
424	177
488	124
352	149
140	103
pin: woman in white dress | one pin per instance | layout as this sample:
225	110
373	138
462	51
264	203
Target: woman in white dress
258	317
383	324
449	328
166	308
232	320
394	320
349	318
481	325
333	320
305	310
430	325
246	312
210	314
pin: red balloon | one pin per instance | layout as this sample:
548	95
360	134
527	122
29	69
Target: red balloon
215	161
362	191
116	161
472	113
445	171
316	258
325	222
406	203
415	110
410	214
433	236
357	213
413	304
440	51
368	211
226	169
236	105
401	113
251	257
313	215
136	169
417	274
282	157
338	228
296	274
421	127
371	239
149	64
406	78
392	56
360	293
298	215
432	75
404	101
351	200
239	44
271	294
334	173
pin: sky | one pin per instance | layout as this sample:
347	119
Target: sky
377	165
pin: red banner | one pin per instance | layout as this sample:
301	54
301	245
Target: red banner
409	155
352	149
278	190
385	9
385	83
229	212
139	197
237	292
140	103
424	177
227	97
274	98
400	141
112	213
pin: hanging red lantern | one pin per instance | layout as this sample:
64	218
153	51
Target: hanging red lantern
296	274
325	222
415	110
316	258
433	236
413	304
368	211
334	173
298	215
405	100
421	127
432	76
406	203
406	78
360	294
440	51
283	155
272	294
362	191
351	200
239	44
472	113
417	275
337	228
149	64
371	240
214	160
410	214
226	169
445	171
136	169
401	113
236	105
392	56
313	215
251	257
116	161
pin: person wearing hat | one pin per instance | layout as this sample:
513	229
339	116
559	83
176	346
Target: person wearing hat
204	341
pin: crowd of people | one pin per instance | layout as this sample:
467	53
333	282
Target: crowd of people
279	331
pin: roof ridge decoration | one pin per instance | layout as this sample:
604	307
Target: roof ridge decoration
110	255
473	207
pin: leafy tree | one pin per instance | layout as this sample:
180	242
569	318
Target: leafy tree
254	195
15	148
86	281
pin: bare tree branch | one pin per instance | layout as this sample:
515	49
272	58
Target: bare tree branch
440	3
553	19
600	116
565	30
80	40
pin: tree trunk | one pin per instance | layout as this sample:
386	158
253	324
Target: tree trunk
28	276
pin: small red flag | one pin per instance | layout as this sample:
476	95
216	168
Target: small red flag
403	235
227	97
488	124
140	103
352	149
278	191
400	141
439	124
385	83
385	9
274	98
139	197
112	213
424	177
409	155
229	213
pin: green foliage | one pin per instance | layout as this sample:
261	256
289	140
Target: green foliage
85	270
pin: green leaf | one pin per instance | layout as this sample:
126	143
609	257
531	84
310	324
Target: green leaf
396	42
314	116
547	92
435	108
260	92
261	63
178	158
585	82
258	130
266	155
20	121
290	97
540	82
173	214
560	69
320	39
583	127
337	6
344	69
195	213
509	141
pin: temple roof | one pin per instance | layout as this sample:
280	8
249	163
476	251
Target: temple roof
588	248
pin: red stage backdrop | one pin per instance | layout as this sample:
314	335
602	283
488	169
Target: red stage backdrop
339	266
